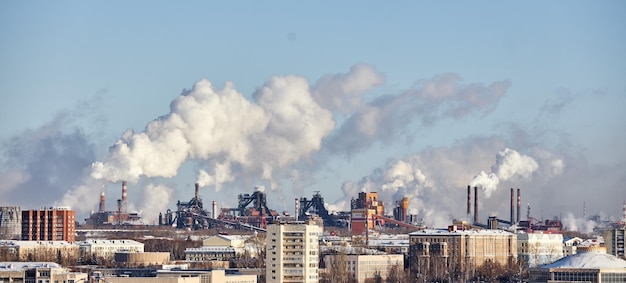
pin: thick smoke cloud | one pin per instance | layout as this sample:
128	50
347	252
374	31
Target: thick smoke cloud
157	198
509	164
429	101
435	178
40	164
283	125
344	92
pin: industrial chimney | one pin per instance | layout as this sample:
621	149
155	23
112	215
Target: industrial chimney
197	190
297	209
512	205
469	200
519	205
214	210
101	209
124	197
475	204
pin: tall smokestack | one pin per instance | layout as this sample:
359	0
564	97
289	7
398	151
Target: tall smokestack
512	205
519	205
475	204
297	208
469	200
124	197
214	210
197	190
101	209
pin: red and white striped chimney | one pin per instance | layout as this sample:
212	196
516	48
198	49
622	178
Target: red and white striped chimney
297	209
101	208
124	196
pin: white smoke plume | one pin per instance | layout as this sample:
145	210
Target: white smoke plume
156	199
509	164
429	101
572	223
344	92
282	125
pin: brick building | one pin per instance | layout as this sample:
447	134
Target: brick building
49	224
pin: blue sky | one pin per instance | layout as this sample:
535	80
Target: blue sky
75	76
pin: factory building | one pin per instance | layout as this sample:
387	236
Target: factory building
10	223
292	253
114	217
459	251
364	210
49	224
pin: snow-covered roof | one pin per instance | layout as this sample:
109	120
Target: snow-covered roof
352	250
589	260
444	232
26	244
119	242
213	249
19	266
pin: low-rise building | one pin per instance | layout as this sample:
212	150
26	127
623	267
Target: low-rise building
142	258
595	267
39	272
235	241
220	253
94	249
38	250
539	248
162	276
365	268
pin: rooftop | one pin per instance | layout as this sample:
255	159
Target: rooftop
445	232
589	260
19	266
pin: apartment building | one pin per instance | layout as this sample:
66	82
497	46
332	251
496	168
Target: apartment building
292	253
49	224
614	241
459	251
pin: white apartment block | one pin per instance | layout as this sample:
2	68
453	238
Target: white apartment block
107	248
292	253
537	248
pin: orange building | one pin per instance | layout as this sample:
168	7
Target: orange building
362	210
49	224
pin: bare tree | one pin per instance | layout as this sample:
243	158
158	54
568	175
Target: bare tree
336	270
397	274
